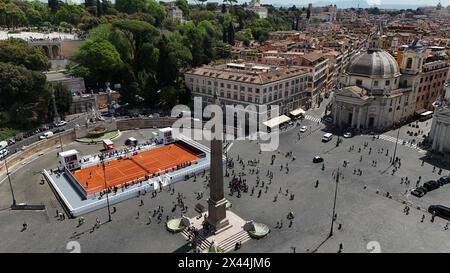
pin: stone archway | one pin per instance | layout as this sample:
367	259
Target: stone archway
55	52
46	51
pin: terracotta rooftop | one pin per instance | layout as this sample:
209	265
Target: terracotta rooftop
255	77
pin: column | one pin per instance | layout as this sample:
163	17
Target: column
436	136
353	117
443	138
359	118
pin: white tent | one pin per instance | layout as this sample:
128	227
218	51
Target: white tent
276	121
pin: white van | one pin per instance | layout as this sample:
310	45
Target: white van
327	137
46	135
3	145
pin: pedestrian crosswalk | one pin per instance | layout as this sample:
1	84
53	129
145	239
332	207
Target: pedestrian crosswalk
400	141
312	118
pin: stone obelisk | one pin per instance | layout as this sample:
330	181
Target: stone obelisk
217	211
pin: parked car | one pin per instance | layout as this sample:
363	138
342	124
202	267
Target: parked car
317	159
419	192
61	123
444	180
431	185
348	135
46	135
303	129
328	119
439	210
327	137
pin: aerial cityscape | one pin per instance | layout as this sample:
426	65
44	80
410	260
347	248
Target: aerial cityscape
138	126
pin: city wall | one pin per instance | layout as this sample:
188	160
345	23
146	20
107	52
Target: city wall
34	149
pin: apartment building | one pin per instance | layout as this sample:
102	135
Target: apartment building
249	83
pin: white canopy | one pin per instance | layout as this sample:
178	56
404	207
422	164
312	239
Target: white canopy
296	112
276	121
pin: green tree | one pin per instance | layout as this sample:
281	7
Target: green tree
71	14
63	98
99	60
53	5
260	29
130	6
137	33
173	57
230	33
184	6
33	16
156	10
19	52
245	36
25	95
14	16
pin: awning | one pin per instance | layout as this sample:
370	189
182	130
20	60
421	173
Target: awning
419	112
276	121
297	112
427	113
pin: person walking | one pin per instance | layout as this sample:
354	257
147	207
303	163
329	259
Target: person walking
341	247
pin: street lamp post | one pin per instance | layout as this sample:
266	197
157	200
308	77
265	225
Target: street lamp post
106	188
60	142
10	185
334	204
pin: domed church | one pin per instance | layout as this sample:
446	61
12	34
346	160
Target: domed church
375	95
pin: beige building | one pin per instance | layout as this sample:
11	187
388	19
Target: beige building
376	95
245	83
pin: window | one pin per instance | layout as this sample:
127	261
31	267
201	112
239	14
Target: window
388	83
409	63
228	86
358	82
235	87
209	82
421	80
242	88
375	83
250	89
222	85
257	90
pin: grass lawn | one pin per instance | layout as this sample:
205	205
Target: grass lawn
6	133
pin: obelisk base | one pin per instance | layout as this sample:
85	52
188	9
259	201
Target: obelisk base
217	215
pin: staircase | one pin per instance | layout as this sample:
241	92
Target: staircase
195	144
229	243
202	242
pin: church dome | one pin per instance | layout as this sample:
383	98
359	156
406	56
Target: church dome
374	63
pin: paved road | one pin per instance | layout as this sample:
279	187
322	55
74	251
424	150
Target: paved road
365	215
34	138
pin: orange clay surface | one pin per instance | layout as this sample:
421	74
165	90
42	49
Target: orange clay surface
135	167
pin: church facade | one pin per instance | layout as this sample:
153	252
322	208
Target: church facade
375	95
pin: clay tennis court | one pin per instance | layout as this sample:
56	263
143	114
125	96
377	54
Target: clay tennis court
133	168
